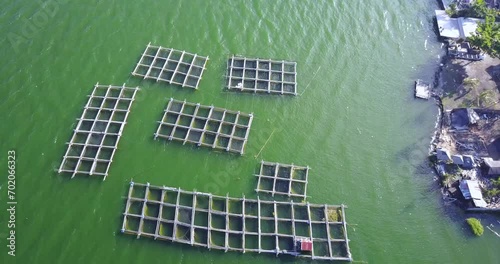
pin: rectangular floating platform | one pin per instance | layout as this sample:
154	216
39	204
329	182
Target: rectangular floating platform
171	66
261	76
422	90
95	139
282	179
236	224
207	126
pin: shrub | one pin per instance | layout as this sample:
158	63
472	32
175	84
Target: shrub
476	226
492	192
471	82
447	178
496	182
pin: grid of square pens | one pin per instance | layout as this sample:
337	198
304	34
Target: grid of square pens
95	138
261	76
172	66
207	126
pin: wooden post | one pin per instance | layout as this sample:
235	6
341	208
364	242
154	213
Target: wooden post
293	219
141	222
164	66
243	219
209	239
127	207
189	71
160	212
192	218
191	125
152	63
134	72
310	227
276	169
345	233
328	231
275	214
230	69
176	215
258	221
226	240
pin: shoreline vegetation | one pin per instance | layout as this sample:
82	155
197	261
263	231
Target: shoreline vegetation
465	149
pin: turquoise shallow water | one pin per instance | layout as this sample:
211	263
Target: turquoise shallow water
355	123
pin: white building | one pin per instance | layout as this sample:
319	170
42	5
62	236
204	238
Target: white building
456	28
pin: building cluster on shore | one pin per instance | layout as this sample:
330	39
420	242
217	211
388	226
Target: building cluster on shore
466	150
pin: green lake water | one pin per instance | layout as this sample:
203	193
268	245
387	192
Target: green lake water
355	123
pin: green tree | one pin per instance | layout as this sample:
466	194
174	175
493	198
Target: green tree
452	10
487	36
478	9
496	182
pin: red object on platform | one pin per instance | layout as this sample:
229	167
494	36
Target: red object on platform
306	245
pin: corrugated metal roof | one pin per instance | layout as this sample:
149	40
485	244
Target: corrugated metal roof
471	190
457	159
464	188
479	203
443	154
493	165
456	28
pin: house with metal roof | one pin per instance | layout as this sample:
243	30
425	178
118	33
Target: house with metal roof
492	166
443	155
457	159
456	28
471	191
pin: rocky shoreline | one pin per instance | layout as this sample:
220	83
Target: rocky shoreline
465	147
452	96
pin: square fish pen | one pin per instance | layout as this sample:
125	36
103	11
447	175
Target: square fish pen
170	65
95	139
236	224
261	76
209	126
282	179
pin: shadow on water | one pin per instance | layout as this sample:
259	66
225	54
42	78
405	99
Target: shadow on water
423	116
416	156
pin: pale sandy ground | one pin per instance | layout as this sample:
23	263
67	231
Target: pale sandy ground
486	95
